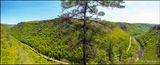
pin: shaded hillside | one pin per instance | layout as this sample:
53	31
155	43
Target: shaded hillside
107	43
135	28
151	45
15	52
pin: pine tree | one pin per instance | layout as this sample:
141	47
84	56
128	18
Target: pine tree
86	10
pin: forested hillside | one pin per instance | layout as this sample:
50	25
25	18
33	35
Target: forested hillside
151	44
135	28
15	52
107	42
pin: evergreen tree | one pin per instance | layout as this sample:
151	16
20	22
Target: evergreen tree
86	10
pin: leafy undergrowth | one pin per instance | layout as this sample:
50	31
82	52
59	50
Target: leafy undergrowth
107	43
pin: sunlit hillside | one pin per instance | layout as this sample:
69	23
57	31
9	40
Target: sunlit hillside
107	42
15	52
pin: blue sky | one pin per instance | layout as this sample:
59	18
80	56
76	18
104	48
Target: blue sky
13	12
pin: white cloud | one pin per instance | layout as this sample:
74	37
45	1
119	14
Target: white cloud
135	12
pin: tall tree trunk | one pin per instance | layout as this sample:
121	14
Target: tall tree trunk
84	35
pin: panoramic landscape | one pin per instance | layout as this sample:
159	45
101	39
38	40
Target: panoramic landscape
80	32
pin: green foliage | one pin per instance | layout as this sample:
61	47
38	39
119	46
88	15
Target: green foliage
150	41
85	10
15	52
136	28
62	40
